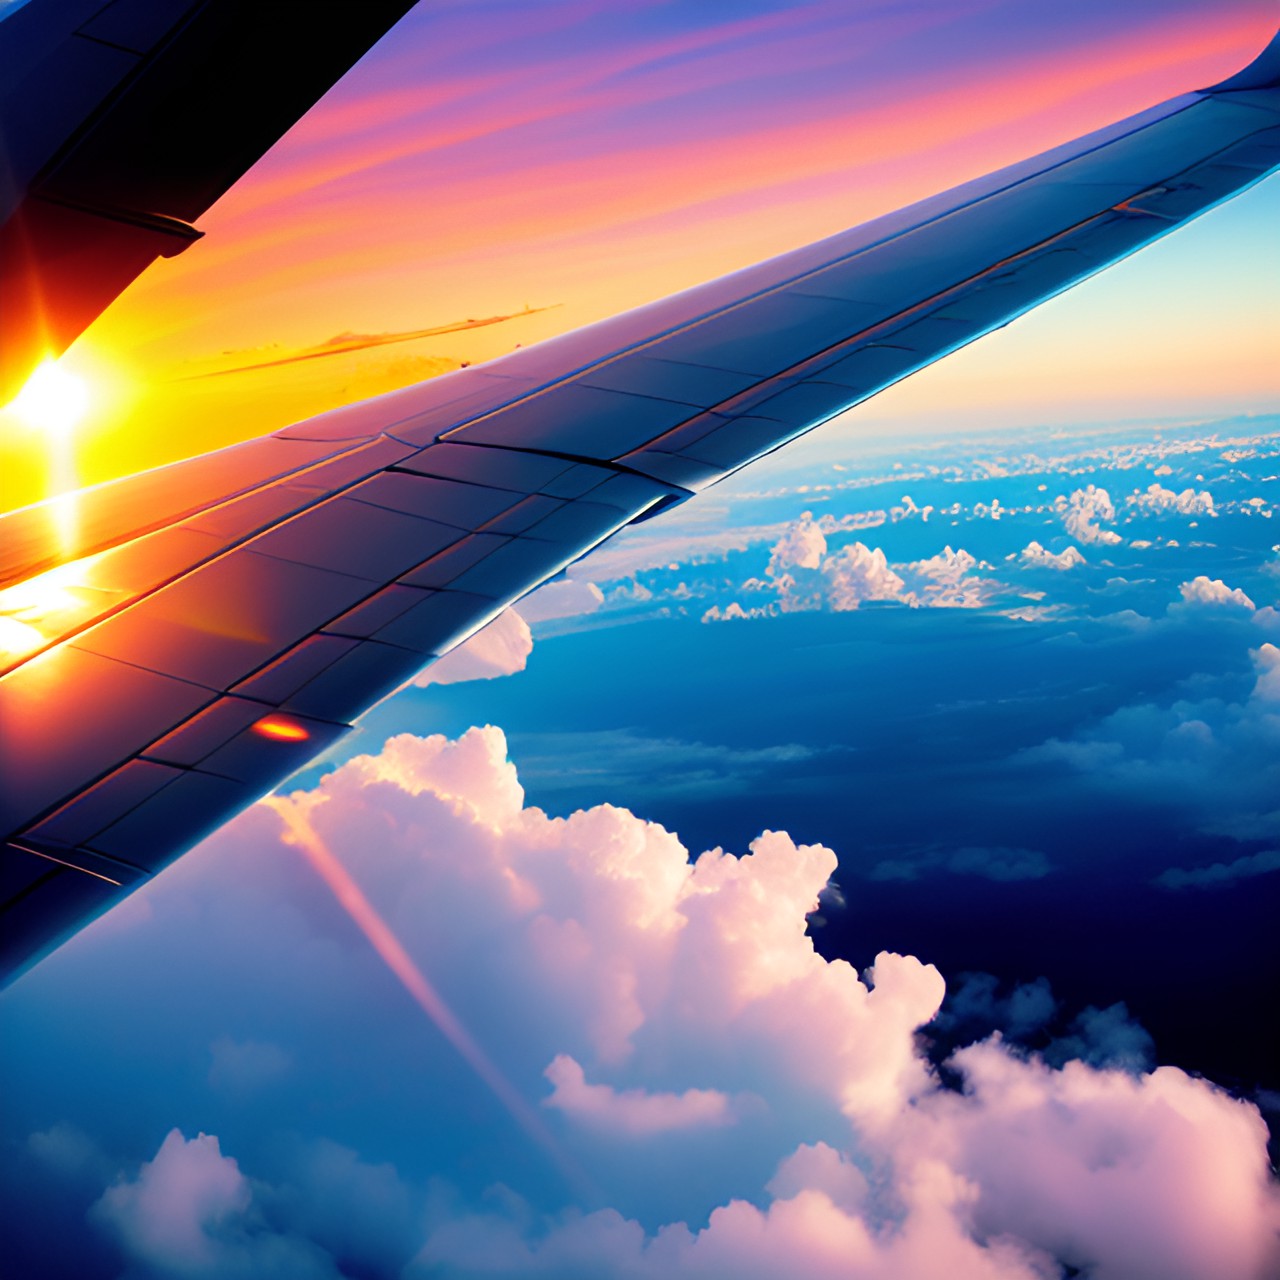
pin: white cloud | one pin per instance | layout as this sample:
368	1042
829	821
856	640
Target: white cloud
804	576
566	598
1125	1178
631	1111
946	567
802	546
1105	1038
663	991
188	1213
943	581
1213	592
1085	511
1156	498
857	573
734	611
1036	555
1266	661
499	649
168	1214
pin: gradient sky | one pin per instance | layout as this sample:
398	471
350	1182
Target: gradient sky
589	157
251	1068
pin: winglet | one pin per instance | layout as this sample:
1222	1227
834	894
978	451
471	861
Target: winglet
1262	73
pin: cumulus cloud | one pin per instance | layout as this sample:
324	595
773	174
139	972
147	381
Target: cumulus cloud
1036	555
1029	1168
499	649
1156	498
68	1150
1203	590
733	611
564	599
640	995
1266	661
189	1213
802	546
857	573
168	1214
803	574
1085	511
631	1111
945	581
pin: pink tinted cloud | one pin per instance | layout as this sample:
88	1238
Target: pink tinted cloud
501	648
633	1112
662	990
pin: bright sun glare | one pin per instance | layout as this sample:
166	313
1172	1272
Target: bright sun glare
54	400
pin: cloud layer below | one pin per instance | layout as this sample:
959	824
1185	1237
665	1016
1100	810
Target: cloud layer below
720	1099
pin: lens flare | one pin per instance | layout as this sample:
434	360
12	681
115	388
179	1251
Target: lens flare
54	400
38	611
301	833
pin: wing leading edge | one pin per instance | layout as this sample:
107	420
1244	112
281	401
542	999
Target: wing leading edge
178	668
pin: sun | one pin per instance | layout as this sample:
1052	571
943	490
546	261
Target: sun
54	400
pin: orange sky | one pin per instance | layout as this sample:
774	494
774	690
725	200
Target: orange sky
431	189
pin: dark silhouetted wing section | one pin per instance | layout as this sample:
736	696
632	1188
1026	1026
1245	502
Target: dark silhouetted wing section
122	122
221	621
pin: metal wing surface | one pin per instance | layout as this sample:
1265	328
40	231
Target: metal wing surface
224	619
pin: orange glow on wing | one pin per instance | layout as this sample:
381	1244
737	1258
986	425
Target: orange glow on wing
281	729
39	610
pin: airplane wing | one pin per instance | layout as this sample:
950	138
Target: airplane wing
224	619
122	121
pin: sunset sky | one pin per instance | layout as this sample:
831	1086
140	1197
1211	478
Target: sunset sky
586	158
869	869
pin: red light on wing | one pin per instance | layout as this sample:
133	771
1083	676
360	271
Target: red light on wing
281	729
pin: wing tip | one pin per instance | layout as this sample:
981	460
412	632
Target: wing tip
1262	73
